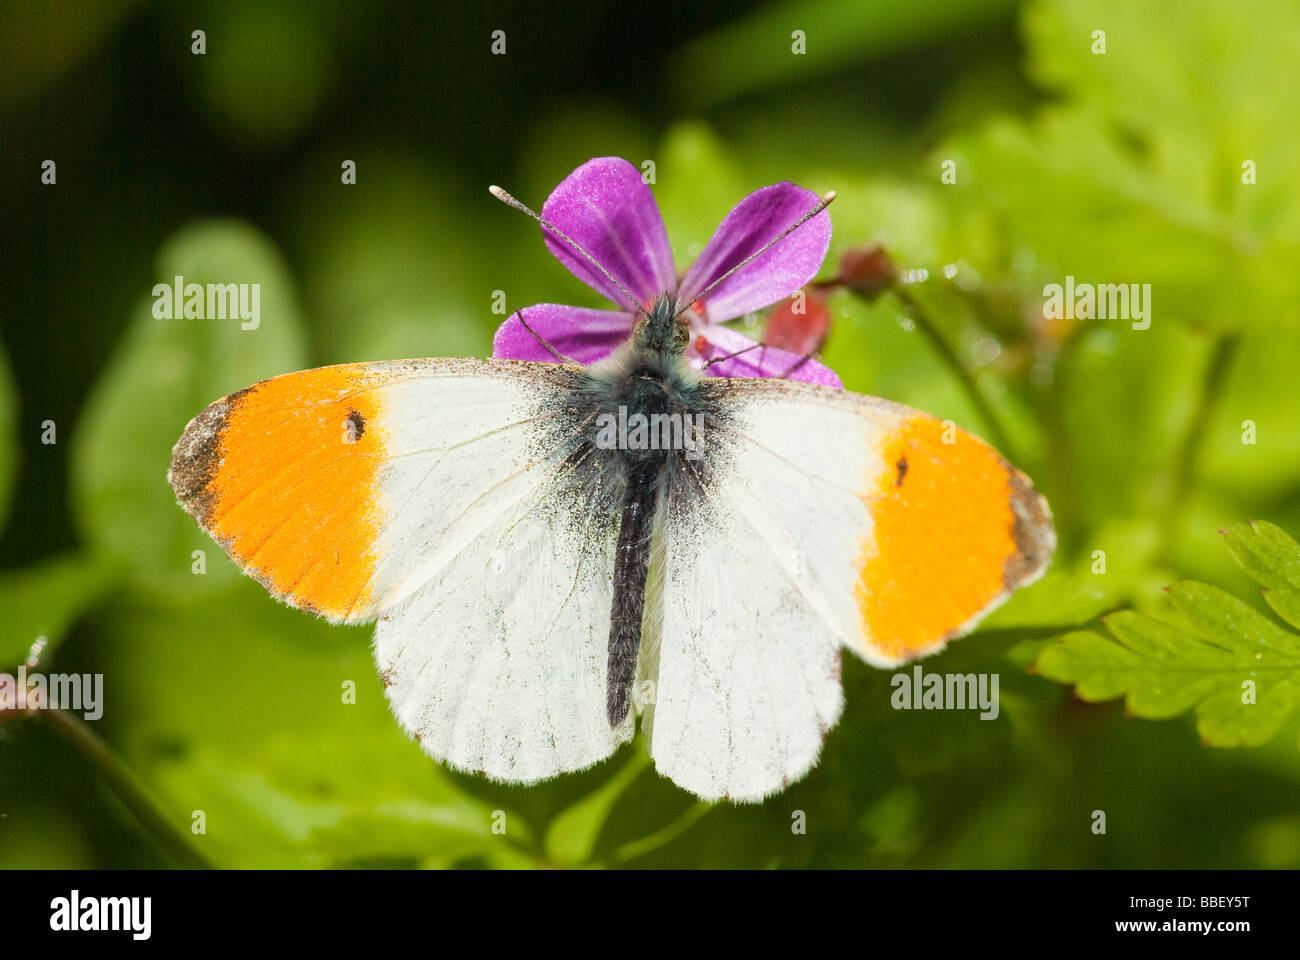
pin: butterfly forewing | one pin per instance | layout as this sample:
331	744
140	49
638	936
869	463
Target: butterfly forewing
453	500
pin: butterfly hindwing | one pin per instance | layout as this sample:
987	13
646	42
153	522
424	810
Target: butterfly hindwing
825	519
746	670
498	662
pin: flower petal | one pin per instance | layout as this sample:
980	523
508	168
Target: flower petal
761	361
753	222
580	333
606	207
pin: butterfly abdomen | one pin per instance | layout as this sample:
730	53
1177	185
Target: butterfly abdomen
631	566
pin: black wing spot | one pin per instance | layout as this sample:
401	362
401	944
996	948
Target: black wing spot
902	471
357	425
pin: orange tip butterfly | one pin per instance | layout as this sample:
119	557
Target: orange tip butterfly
556	552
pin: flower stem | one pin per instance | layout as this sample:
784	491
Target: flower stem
124	783
996	435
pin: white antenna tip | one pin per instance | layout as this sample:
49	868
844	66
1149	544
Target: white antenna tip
496	191
828	196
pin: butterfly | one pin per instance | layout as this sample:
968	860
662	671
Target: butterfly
544	576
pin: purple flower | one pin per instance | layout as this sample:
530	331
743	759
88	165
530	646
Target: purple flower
606	208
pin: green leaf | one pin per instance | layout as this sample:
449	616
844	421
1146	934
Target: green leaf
44	600
1238	669
276	726
1115	569
1119	463
1161	155
1271	557
758	49
1191	87
256	816
164	373
382	281
1249	447
1130	223
573	833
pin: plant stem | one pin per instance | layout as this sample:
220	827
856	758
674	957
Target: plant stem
124	783
1216	372
949	356
665	835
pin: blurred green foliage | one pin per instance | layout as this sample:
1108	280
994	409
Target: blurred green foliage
165	365
1226	659
1125	166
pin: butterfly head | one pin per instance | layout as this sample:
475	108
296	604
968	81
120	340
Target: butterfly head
661	329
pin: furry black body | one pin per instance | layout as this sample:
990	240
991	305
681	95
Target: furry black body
647	377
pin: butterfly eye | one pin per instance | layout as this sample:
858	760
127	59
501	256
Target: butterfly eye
681	335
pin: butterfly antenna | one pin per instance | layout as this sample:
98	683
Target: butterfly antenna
508	200
728	356
821	205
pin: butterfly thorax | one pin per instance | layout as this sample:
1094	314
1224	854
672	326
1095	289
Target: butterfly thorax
646	382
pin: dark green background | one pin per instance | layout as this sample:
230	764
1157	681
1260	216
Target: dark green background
1124	167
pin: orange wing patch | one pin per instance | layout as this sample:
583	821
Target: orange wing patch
956	529
284	475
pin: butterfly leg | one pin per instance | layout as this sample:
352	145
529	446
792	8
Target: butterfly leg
801	361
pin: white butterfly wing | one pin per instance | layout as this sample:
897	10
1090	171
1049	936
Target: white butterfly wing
497	663
745	671
817	520
446	499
